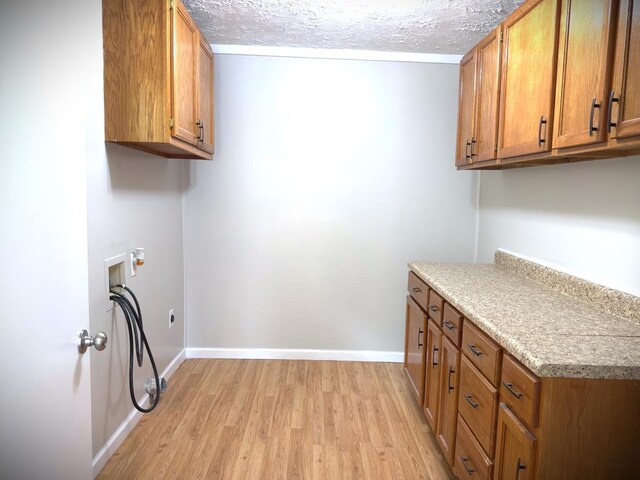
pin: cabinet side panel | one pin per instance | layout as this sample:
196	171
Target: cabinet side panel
590	428
134	43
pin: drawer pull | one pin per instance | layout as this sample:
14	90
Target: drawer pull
434	362
433	308
451	370
519	466
512	391
475	351
449	325
464	461
417	290
471	402
420	332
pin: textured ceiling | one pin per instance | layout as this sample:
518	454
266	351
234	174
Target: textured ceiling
424	26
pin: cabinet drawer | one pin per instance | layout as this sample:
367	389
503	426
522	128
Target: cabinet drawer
478	404
483	352
520	389
418	290
452	324
470	460
436	304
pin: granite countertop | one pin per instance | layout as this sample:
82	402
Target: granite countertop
555	324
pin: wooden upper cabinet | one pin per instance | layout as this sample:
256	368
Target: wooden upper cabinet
624	97
153	83
484	142
585	49
466	108
184	75
204	112
528	79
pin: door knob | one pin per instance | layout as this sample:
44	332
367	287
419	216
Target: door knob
86	341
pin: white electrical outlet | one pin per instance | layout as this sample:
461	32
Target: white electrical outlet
172	318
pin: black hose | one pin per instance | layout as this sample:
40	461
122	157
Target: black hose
137	340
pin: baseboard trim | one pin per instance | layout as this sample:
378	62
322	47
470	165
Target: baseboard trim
297	354
105	453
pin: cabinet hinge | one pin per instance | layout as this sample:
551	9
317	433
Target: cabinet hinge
171	5
501	32
170	122
495	147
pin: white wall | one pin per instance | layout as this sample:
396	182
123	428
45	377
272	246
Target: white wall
135	200
582	217
329	175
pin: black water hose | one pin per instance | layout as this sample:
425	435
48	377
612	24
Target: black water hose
137	341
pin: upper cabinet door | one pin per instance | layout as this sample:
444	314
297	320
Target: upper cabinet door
183	75
528	79
205	95
584	69
484	142
624	97
466	108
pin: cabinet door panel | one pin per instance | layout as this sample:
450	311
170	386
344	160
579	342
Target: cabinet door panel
626	78
448	411
466	108
432	374
584	66
515	453
415	336
183	75
528	79
205	94
488	89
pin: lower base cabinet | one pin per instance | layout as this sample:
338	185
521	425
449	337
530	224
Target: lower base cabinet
432	374
495	419
470	461
515	448
448	412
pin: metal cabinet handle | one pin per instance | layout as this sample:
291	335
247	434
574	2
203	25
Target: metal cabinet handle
451	371
519	466
471	402
542	122
594	105
464	461
473	142
433	362
449	325
475	351
417	290
420	332
466	150
433	308
513	392
612	98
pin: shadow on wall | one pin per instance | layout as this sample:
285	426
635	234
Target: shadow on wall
137	171
600	188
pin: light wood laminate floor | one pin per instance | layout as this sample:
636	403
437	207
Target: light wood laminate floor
282	419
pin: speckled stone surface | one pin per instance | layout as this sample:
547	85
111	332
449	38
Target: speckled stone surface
553	334
604	298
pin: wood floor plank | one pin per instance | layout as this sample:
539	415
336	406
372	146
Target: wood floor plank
282	419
